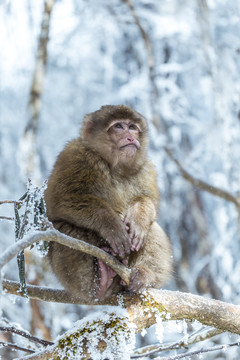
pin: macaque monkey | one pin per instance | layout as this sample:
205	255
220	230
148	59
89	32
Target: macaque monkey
103	190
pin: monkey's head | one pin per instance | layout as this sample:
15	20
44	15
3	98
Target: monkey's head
118	134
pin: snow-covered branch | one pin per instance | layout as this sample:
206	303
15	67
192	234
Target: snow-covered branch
142	308
54	235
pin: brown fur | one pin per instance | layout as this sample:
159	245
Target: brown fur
90	193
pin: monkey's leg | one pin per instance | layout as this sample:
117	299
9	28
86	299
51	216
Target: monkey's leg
75	270
152	265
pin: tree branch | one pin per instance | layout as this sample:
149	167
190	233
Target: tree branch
54	235
28	148
8	202
202	185
142	308
148	45
40	293
40	68
182	306
179	305
6	218
157	120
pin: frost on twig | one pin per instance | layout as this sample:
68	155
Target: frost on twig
33	216
15	347
25	334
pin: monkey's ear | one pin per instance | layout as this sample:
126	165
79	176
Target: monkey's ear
88	129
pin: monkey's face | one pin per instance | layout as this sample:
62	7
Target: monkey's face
124	137
119	135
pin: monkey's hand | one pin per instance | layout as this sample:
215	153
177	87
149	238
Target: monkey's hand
119	241
137	227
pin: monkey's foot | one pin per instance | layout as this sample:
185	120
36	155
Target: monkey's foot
106	276
138	279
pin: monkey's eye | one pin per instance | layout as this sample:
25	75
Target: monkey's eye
133	127
118	125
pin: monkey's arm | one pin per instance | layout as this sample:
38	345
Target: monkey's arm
91	212
140	216
142	211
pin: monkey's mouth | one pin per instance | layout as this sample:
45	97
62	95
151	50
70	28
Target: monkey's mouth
129	146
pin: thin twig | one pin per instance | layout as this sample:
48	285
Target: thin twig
10	202
198	352
25	334
194	338
6	218
202	335
153	349
16	347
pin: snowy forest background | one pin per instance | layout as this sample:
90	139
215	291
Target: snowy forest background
177	63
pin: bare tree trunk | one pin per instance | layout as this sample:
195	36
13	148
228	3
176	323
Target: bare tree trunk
29	160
